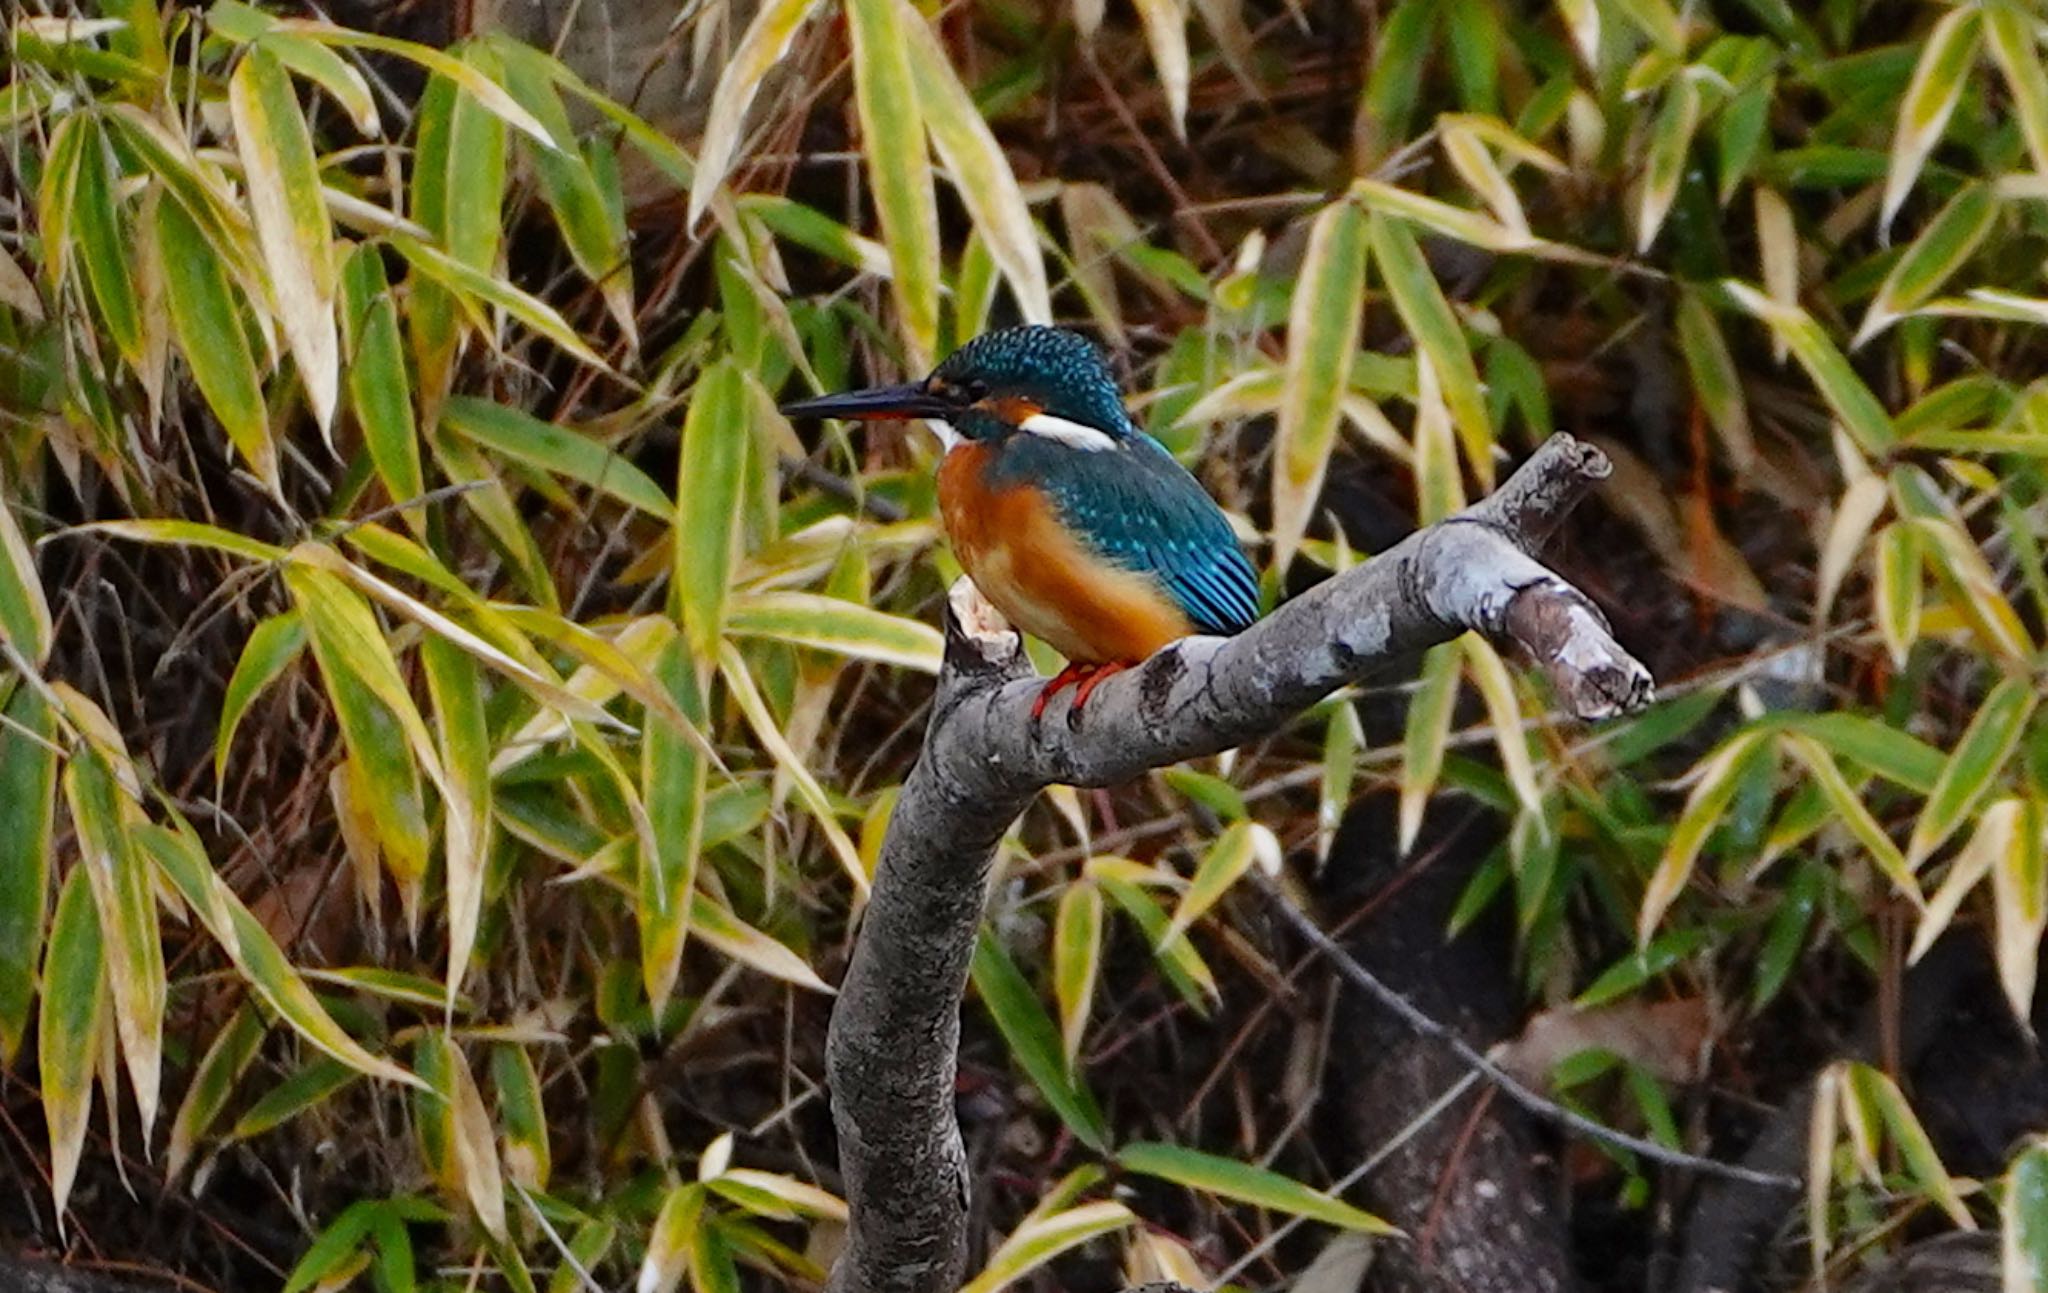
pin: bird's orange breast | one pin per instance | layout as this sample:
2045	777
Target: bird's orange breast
1041	576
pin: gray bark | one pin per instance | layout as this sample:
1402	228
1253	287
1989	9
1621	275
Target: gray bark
892	1051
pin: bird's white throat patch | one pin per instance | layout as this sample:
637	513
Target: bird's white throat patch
943	429
1075	435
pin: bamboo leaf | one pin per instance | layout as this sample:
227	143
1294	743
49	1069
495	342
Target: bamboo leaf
322	66
1041	1238
1714	783
1846	395
181	860
2019	892
126	903
1322	332
28	780
1978	758
2017	52
669	1243
2023	1217
470	284
1670	145
1428	729
1227	859
553	448
1848	807
210	333
761	47
980	172
458	696
672	782
68	1032
1896	588
709	483
292	228
1949	240
213	1082
1489	675
1076	961
1230	1179
740	680
1874	1091
836	625
712	921
379	390
1034	1041
1939	77
272	647
24	613
1428	317
1715	380
1166	32
103	244
899	169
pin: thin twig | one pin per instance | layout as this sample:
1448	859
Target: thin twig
1365	980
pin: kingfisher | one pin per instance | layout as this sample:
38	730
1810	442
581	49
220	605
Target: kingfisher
1081	529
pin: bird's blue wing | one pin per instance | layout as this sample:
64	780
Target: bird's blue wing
1141	510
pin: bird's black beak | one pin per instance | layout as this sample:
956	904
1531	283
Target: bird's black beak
911	400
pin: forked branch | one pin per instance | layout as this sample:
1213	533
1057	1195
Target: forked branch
895	1033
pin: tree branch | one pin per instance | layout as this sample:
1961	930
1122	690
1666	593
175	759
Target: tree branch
891	1055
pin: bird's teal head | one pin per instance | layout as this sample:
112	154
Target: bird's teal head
1031	380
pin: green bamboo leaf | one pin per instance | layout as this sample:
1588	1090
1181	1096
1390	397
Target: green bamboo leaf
836	625
899	168
1949	240
1076	961
474	1149
1874	1090
385	737
2010	31
305	1089
2019	892
28	780
2023	1217
1939	77
1657	20
810	228
672	782
1226	861
196	534
670	1241
471	285
126	902
712	921
272	647
213	1082
24	613
1715	379
292	227
1892	754
1489	674
1896	588
1177	959
1629	974
1979	757
210	332
57	194
587	1247
739	680
1670	147
458	696
1714	781
326	69
379	391
68	1032
103	244
1034	1040
1428	318
1322	335
552	448
1846	395
1975	588
761	47
1041	1238
182	861
1849	810
1230	1179
980	172
333	1259
709	482
528	1158
472	81
1428	730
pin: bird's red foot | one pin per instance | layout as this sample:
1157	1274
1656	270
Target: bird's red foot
1059	682
1084	678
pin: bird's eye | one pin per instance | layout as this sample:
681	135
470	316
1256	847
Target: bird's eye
975	391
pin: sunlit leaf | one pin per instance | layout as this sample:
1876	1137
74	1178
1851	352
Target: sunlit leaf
1939	78
210	334
1245	1183
1979	756
709	480
1041	1238
899	168
1949	240
1322	332
1714	783
1428	318
28	780
213	1083
672	782
2015	46
1076	960
68	1030
272	647
836	625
